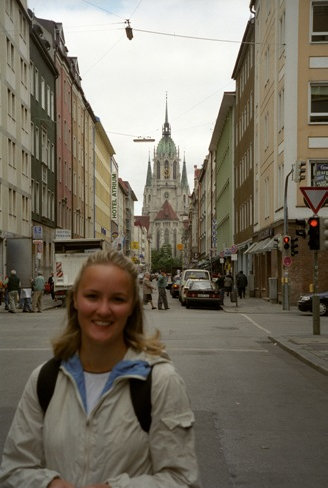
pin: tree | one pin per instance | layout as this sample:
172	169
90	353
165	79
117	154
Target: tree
162	260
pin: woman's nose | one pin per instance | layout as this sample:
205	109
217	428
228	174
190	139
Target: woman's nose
104	306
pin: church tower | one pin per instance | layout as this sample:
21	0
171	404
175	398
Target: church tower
166	193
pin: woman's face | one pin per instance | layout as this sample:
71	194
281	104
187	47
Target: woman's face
104	301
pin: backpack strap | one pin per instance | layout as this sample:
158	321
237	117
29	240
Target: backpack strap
47	381
140	391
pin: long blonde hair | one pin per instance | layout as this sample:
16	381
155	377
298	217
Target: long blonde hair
69	341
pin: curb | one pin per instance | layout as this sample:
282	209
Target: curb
300	353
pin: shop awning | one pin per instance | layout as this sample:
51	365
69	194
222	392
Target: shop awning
272	244
250	248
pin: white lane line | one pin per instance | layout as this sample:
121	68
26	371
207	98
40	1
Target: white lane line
25	349
222	349
256	324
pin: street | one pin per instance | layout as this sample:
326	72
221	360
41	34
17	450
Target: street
261	414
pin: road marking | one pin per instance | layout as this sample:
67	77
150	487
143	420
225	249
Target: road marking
256	324
194	349
25	349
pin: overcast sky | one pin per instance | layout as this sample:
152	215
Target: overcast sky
126	81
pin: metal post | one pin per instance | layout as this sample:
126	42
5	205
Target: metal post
285	285
315	297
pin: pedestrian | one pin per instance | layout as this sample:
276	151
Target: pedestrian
147	290
228	282
90	436
38	290
161	286
1	290
51	283
6	296
241	282
220	287
26	294
13	287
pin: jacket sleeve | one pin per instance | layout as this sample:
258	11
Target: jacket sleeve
171	437
23	458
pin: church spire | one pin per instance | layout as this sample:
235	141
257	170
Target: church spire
166	127
149	175
184	178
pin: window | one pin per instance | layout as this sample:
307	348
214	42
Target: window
282	33
24	163
43	93
23	73
319	28
266	65
11	104
319	172
281	109
24	118
12	202
22	26
36	84
319	102
32	139
266	131
37	143
10	55
11	153
9	8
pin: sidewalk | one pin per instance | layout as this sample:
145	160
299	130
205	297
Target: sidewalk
309	348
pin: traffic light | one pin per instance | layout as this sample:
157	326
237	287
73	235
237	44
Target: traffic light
278	241
323	234
314	233
286	242
302	224
294	246
299	171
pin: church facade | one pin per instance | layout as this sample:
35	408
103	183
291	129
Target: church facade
166	193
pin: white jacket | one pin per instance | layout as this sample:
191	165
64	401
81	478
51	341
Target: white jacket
108	445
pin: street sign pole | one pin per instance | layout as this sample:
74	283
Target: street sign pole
315	297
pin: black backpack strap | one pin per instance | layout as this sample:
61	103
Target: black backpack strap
140	391
47	381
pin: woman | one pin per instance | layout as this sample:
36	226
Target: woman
90	436
148	289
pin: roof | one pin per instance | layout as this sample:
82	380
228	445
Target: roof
142	221
166	212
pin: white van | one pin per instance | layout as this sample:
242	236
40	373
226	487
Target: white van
192	274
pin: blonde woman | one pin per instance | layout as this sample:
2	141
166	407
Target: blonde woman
90	436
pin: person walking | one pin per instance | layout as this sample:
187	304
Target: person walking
147	290
26	294
51	282
13	287
161	286
38	290
228	282
90	435
241	282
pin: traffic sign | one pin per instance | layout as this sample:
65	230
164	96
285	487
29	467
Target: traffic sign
287	261
315	196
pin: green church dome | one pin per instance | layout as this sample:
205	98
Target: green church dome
166	147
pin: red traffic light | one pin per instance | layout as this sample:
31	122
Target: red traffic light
313	222
286	242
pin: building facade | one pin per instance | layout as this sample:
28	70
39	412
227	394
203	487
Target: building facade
166	193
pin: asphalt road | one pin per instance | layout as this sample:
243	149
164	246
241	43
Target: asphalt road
261	413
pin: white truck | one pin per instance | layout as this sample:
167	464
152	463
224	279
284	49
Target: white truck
69	255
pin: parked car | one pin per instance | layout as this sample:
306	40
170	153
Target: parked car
305	303
202	292
183	291
174	290
195	274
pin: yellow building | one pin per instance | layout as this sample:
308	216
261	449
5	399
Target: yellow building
104	152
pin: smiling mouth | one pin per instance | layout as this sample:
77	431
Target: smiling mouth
101	323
